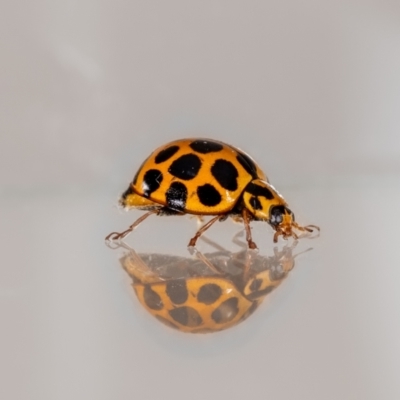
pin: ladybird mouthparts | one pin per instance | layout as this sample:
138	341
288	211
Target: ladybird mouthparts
286	230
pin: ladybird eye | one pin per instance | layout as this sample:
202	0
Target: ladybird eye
276	215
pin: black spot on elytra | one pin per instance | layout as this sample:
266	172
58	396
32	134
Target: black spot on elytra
176	196
208	195
257	190
255	203
185	167
248	164
226	174
152	298
177	291
151	181
206	146
255	285
137	173
226	311
209	293
135	178
166	154
276	215
186	316
127	192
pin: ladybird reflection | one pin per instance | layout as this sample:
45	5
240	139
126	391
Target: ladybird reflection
207	292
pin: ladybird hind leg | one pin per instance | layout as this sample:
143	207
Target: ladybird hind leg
193	240
120	235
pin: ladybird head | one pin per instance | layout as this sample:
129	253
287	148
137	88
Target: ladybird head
266	204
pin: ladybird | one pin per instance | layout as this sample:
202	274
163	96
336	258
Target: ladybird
207	177
209	293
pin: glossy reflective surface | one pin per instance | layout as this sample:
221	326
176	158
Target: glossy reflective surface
310	89
73	324
209	292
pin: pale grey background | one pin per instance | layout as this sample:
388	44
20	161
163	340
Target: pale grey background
310	89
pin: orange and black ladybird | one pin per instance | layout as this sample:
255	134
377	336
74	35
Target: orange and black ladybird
211	293
207	177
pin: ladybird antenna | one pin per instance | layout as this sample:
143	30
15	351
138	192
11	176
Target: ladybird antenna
302	252
307	228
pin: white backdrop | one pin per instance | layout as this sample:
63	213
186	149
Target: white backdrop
310	89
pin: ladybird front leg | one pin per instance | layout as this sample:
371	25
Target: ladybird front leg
193	240
276	235
246	221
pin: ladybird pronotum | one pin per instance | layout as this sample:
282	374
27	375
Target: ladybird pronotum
207	177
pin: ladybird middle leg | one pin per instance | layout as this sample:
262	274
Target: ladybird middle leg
193	240
120	235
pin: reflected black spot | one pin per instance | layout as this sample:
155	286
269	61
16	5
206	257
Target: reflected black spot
151	181
186	316
208	195
257	190
206	146
255	285
209	293
226	311
185	167
261	293
166	154
176	196
152	298
177	291
226	174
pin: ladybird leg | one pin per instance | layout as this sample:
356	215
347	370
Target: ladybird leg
193	240
120	235
216	246
277	233
247	264
237	241
205	260
311	227
249	239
